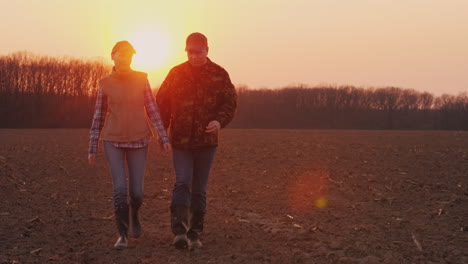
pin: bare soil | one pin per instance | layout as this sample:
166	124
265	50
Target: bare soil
274	196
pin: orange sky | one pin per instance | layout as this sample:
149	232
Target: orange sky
419	44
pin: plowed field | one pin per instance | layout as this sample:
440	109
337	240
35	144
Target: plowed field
274	196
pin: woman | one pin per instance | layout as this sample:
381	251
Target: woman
123	103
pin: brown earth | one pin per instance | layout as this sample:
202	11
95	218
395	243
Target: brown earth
275	196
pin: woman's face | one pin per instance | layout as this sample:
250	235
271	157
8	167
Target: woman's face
122	59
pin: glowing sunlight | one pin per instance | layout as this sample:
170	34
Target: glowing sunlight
153	50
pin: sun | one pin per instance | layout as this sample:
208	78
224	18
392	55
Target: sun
153	50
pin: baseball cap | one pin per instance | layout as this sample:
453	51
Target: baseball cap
123	46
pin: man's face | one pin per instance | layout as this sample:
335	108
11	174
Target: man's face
196	54
122	58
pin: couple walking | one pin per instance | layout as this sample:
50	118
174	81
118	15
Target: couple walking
194	102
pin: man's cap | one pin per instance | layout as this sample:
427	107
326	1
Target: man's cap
123	46
196	39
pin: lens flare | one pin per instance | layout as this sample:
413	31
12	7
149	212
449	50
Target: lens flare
308	189
321	202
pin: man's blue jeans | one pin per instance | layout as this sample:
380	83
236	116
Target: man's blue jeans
192	168
136	160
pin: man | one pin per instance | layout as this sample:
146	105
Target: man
196	100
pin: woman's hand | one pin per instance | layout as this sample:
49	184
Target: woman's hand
166	148
92	160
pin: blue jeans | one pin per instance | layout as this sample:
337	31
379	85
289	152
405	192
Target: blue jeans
192	168
136	160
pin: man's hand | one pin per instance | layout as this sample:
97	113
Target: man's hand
213	127
92	160
166	148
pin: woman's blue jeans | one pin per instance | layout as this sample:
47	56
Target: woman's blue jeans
192	168
136	160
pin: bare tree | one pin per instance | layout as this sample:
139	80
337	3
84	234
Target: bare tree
42	91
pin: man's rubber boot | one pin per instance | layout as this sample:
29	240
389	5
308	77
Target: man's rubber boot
121	217
179	220
196	229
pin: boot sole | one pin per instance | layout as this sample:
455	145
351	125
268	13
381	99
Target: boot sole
195	245
120	245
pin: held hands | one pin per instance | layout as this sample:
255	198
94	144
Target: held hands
213	127
166	148
92	160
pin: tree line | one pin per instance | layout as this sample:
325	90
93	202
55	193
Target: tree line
42	91
52	92
349	107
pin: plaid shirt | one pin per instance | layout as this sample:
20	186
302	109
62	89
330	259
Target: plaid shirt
99	117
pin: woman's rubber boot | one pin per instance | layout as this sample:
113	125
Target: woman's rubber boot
136	226
122	217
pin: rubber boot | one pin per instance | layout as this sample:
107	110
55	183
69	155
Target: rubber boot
121	217
179	221
196	229
136	226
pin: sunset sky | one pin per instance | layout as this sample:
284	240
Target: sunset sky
418	44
